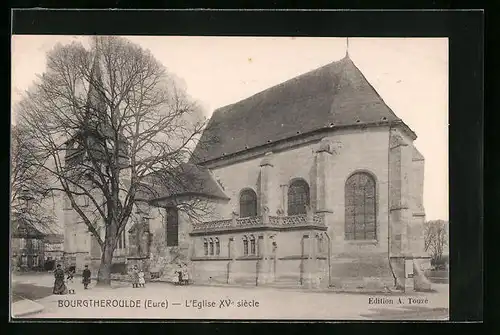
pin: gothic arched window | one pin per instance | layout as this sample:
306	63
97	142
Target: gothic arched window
252	245
245	245
217	246
298	197
211	246
360	202
248	203
205	246
319	241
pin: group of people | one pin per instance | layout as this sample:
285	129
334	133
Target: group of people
138	279
61	286
182	275
63	280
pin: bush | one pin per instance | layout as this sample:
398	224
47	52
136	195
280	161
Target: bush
440	263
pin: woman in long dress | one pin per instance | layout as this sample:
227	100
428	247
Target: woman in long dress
135	276
59	286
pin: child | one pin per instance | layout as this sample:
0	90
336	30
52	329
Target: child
69	280
185	275
86	277
142	282
135	277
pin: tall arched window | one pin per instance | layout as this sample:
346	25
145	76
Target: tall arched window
172	227
298	197
248	203
360	202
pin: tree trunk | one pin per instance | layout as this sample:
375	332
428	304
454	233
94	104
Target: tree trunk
104	274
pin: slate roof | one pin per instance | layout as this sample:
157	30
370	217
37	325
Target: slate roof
186	179
54	238
334	95
24	229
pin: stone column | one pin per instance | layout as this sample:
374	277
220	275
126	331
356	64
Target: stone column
323	156
284	198
230	264
265	184
400	168
311	270
234	219
264	262
418	221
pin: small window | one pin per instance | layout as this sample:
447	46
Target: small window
319	242
217	246
211	247
245	246
205	247
252	245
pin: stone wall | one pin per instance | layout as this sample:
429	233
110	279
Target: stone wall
329	163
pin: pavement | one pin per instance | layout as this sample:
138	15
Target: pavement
166	301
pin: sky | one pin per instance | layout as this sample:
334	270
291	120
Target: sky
410	74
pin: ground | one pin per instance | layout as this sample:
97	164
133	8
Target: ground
166	301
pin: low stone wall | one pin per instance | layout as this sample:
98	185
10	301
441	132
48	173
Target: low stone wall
370	271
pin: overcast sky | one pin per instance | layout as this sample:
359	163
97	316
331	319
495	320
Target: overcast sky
410	74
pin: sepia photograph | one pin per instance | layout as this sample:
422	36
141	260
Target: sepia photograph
229	178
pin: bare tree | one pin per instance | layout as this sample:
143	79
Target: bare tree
29	186
113	127
435	238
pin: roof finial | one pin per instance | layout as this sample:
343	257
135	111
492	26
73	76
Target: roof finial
347	47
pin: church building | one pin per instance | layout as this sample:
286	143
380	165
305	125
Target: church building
311	183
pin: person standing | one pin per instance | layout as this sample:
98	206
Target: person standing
86	277
185	274
135	276
59	286
142	281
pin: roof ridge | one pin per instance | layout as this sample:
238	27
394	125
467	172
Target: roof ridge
335	94
266	90
373	88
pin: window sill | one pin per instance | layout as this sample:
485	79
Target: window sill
249	257
362	242
211	258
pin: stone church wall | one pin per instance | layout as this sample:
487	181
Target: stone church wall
368	262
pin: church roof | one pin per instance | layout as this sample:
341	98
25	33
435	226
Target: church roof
333	96
23	229
185	180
